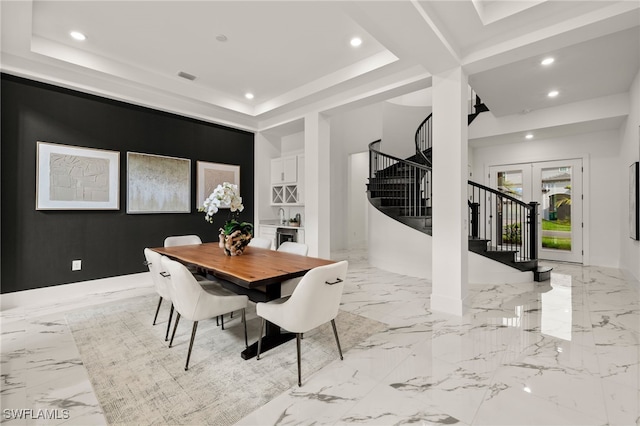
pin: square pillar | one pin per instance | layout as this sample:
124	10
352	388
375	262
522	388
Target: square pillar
317	194
450	211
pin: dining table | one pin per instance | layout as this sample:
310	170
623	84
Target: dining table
256	273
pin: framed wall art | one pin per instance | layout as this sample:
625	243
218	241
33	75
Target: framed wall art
76	178
210	175
158	184
634	201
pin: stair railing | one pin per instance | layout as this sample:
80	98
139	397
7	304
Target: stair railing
402	184
423	140
507	223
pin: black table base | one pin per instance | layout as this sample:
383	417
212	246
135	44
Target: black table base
268	342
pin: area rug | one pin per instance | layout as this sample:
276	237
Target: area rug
139	380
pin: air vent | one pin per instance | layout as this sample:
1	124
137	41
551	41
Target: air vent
186	75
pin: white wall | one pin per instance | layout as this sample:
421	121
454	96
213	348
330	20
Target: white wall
351	132
395	247
292	144
629	152
357	226
602	203
399	126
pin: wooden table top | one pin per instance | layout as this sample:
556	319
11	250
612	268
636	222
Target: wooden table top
254	268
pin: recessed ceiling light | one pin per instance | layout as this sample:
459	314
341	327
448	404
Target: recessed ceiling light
529	136
248	95
356	41
77	35
553	93
547	61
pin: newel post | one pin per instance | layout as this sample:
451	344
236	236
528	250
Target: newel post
533	230
475	219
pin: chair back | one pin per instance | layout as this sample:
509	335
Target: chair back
185	289
259	242
182	240
316	299
154	263
295	248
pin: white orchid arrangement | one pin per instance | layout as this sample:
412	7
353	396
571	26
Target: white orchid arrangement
225	195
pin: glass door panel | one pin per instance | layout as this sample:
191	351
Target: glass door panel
560	210
557	187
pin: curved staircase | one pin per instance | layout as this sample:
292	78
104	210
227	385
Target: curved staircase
503	228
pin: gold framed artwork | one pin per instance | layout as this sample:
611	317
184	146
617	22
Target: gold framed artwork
158	184
76	178
210	175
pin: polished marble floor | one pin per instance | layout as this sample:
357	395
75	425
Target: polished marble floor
560	353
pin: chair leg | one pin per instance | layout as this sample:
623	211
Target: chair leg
157	310
175	326
244	321
218	321
166	337
222	321
193	336
298	351
260	338
335	333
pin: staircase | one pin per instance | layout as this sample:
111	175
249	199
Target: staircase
503	228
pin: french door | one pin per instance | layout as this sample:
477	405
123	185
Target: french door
557	187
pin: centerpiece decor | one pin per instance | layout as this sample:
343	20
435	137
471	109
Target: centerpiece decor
234	235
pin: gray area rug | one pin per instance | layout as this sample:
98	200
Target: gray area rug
139	380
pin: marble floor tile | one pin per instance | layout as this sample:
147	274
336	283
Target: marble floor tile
562	352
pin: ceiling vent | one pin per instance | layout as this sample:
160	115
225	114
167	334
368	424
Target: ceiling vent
186	75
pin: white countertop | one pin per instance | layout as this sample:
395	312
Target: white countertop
276	224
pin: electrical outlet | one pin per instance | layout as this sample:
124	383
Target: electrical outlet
76	265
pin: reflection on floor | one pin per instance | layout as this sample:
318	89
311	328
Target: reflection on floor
559	353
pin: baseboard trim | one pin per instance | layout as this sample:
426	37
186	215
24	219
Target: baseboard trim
65	292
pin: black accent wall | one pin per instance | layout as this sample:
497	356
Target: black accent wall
38	246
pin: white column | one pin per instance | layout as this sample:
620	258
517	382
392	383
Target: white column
316	185
450	158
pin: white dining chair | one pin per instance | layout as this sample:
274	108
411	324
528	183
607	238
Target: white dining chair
314	302
196	303
260	242
182	240
186	240
287	286
161	284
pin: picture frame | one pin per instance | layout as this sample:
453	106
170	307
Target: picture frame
76	178
158	184
634	201
210	175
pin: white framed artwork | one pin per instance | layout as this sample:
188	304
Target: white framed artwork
76	178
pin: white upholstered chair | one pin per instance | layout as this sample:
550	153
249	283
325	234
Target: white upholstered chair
161	284
260	242
181	240
186	240
287	287
314	302
196	303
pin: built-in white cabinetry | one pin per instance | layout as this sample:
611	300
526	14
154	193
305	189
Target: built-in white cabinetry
268	232
287	180
284	170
